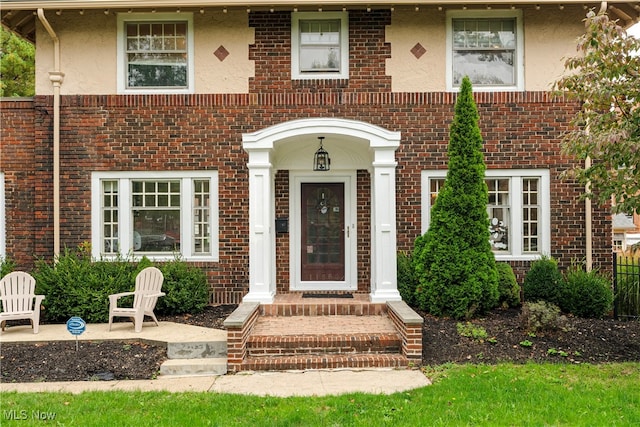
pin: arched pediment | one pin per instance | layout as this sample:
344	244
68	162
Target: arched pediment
265	139
351	144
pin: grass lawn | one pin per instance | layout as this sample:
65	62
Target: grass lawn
485	395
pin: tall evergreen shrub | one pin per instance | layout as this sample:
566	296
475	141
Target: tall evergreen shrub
453	261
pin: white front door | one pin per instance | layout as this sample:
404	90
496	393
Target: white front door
323	250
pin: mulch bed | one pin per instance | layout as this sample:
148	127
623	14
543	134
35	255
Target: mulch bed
582	341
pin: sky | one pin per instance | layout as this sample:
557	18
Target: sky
635	31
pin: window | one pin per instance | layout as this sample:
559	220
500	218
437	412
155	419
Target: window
518	209
155	52
155	215
618	242
320	47
487	46
499	211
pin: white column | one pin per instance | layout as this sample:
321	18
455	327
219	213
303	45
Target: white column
384	284
262	285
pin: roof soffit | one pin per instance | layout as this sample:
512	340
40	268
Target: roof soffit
20	17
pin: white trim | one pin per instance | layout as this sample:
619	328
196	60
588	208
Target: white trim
3	220
296	179
186	226
515	192
296	74
120	51
260	146
384	250
263	140
519	66
262	242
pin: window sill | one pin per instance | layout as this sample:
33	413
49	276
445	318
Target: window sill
523	257
320	83
164	258
489	89
156	91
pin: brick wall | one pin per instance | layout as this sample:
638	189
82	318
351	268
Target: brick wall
367	54
182	132
282	239
364	230
19	165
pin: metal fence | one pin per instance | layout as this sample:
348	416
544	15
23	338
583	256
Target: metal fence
626	286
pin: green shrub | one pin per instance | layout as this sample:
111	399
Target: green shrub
586	293
541	316
507	286
543	281
406	278
76	286
6	266
186	288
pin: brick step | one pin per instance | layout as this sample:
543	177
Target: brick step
291	345
294	333
300	362
320	307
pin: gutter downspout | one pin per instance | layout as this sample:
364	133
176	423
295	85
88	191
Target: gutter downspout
588	222
56	77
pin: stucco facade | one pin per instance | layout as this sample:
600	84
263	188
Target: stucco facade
92	71
549	39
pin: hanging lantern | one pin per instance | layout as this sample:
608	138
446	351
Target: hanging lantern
321	160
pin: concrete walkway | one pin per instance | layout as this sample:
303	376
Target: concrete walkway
282	384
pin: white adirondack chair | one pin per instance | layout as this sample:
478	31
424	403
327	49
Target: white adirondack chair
18	298
145	296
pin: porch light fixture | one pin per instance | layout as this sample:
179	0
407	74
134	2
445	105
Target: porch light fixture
321	160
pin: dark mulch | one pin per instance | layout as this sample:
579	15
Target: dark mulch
582	341
106	360
93	361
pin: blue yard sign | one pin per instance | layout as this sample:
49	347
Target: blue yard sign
76	326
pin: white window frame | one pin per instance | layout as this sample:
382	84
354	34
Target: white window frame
519	55
3	216
126	243
516	176
296	17
122	20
